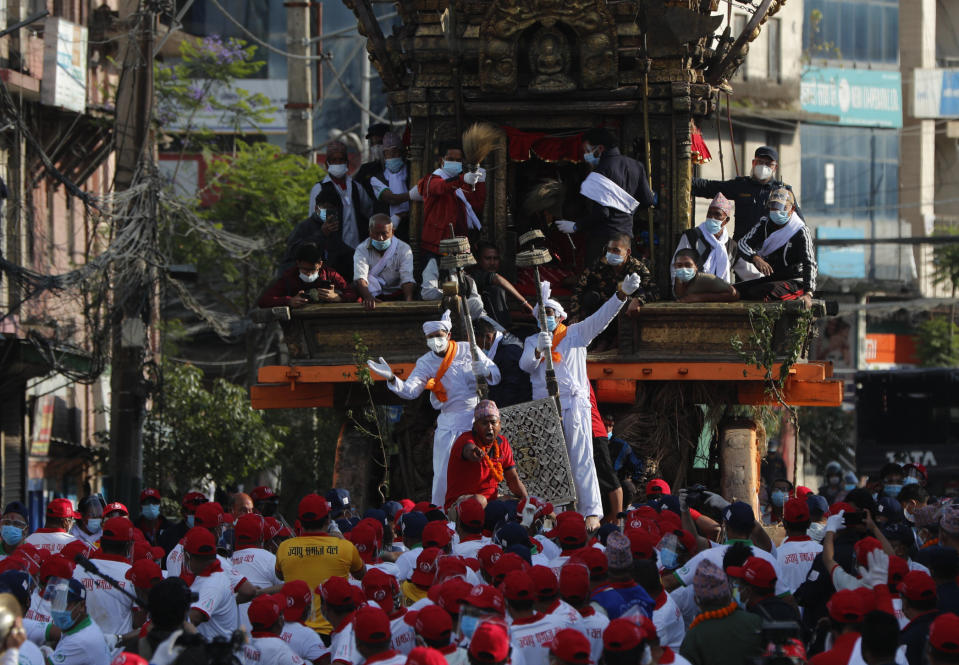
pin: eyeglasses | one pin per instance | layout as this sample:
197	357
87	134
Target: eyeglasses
16	523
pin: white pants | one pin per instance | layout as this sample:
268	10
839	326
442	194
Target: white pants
578	427
443	439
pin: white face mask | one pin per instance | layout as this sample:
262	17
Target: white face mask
309	279
337	170
762	172
437	344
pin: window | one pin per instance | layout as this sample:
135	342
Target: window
858	30
739	25
774	50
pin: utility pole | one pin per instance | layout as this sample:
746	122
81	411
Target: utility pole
299	80
134	300
365	83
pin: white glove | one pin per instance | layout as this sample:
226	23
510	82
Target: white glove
471	178
415	193
835	522
479	368
382	368
631	283
566	226
544	342
878	569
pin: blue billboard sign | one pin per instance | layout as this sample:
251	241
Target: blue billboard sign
862	97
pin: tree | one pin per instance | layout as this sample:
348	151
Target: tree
828	431
197	433
938	343
945	260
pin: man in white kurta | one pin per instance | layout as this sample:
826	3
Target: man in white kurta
453	393
570	368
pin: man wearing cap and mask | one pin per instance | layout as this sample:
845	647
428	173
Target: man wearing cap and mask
568	348
776	256
214	613
13	528
54	535
81	642
389	184
89	521
151	523
309	281
383	265
749	193
109	607
266	645
711	239
449	372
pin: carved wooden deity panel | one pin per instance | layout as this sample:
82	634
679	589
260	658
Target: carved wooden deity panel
550	52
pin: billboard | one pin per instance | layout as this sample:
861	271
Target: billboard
862	97
935	93
842	261
64	65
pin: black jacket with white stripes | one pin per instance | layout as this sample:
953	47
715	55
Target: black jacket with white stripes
796	260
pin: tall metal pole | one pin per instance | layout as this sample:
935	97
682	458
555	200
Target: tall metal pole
365	83
299	80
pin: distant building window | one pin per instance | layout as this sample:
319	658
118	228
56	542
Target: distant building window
739	25
858	30
774	50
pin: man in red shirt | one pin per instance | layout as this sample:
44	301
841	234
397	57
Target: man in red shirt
309	281
481	459
608	480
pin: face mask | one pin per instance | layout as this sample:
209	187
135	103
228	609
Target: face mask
762	172
62	618
816	531
778	498
11	535
320	214
337	170
309	279
713	226
151	511
468	625
684	274
591	157
437	344
381	245
550	323
94	525
452	168
669	559
909	480
394	164
376	153
609	433
190	519
614	259
892	490
849	487
779	217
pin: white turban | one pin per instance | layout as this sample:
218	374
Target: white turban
445	324
554	305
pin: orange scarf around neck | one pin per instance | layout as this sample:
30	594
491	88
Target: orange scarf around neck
436	383
558	336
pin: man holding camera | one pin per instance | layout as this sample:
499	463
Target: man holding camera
309	281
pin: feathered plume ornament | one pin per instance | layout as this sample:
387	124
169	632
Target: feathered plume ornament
479	141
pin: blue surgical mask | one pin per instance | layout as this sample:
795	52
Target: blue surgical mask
849	487
468	625
151	511
614	259
669	559
320	214
779	217
684	274
551	323
713	226
910	480
778	498
11	535
190	519
892	490
381	245
94	525
452	168
63	619
394	164
591	158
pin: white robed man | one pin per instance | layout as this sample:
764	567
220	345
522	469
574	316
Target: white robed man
567	344
449	373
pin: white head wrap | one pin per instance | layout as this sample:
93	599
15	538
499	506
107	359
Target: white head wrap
445	324
554	305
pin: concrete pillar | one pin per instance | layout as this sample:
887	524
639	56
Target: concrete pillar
299	81
739	461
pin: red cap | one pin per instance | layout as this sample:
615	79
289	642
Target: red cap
642	543
118	530
488	555
249	529
846	606
486	597
381	587
451	594
570	646
128	658
364	540
199	542
835	508
407	504
61	508
150	493
371	625
544	582
157	553
574	582
436	534
471	513
595	561
141	550
266	610
796	510
517	585
115	506
543	508
423	507
898	568
144	573
668	521
425	570
193	499
793	648
944	633
313	508
56	566
69	551
449	566
571	531
425	656
210	515
433	623
336	591
262	493
622	635
507	563
802	492
756	572
298	598
917	585
490	643
657	486
863	547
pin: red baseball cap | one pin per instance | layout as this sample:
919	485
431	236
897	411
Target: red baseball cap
835	508
115	506
518	585
571	531
313	508
488	555
471	514
144	573
917	585
863	547
796	510
56	566
69	551
336	591
490	643
364	540
262	493
657	486
486	597
433	623
61	508
381	587
451	594
642	543
595	561
570	646
371	625
802	492
755	571
846	606
266	610
944	633
249	529
436	534
425	656
141	550
543	508
118	530
507	563
193	499
150	493
425	570
544	582
199	542
622	635
298	598
210	515
668	521
449	566
898	568
574	582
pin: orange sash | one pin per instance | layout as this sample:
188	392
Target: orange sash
436	383
558	336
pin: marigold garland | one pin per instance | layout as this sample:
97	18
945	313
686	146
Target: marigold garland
495	468
714	614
